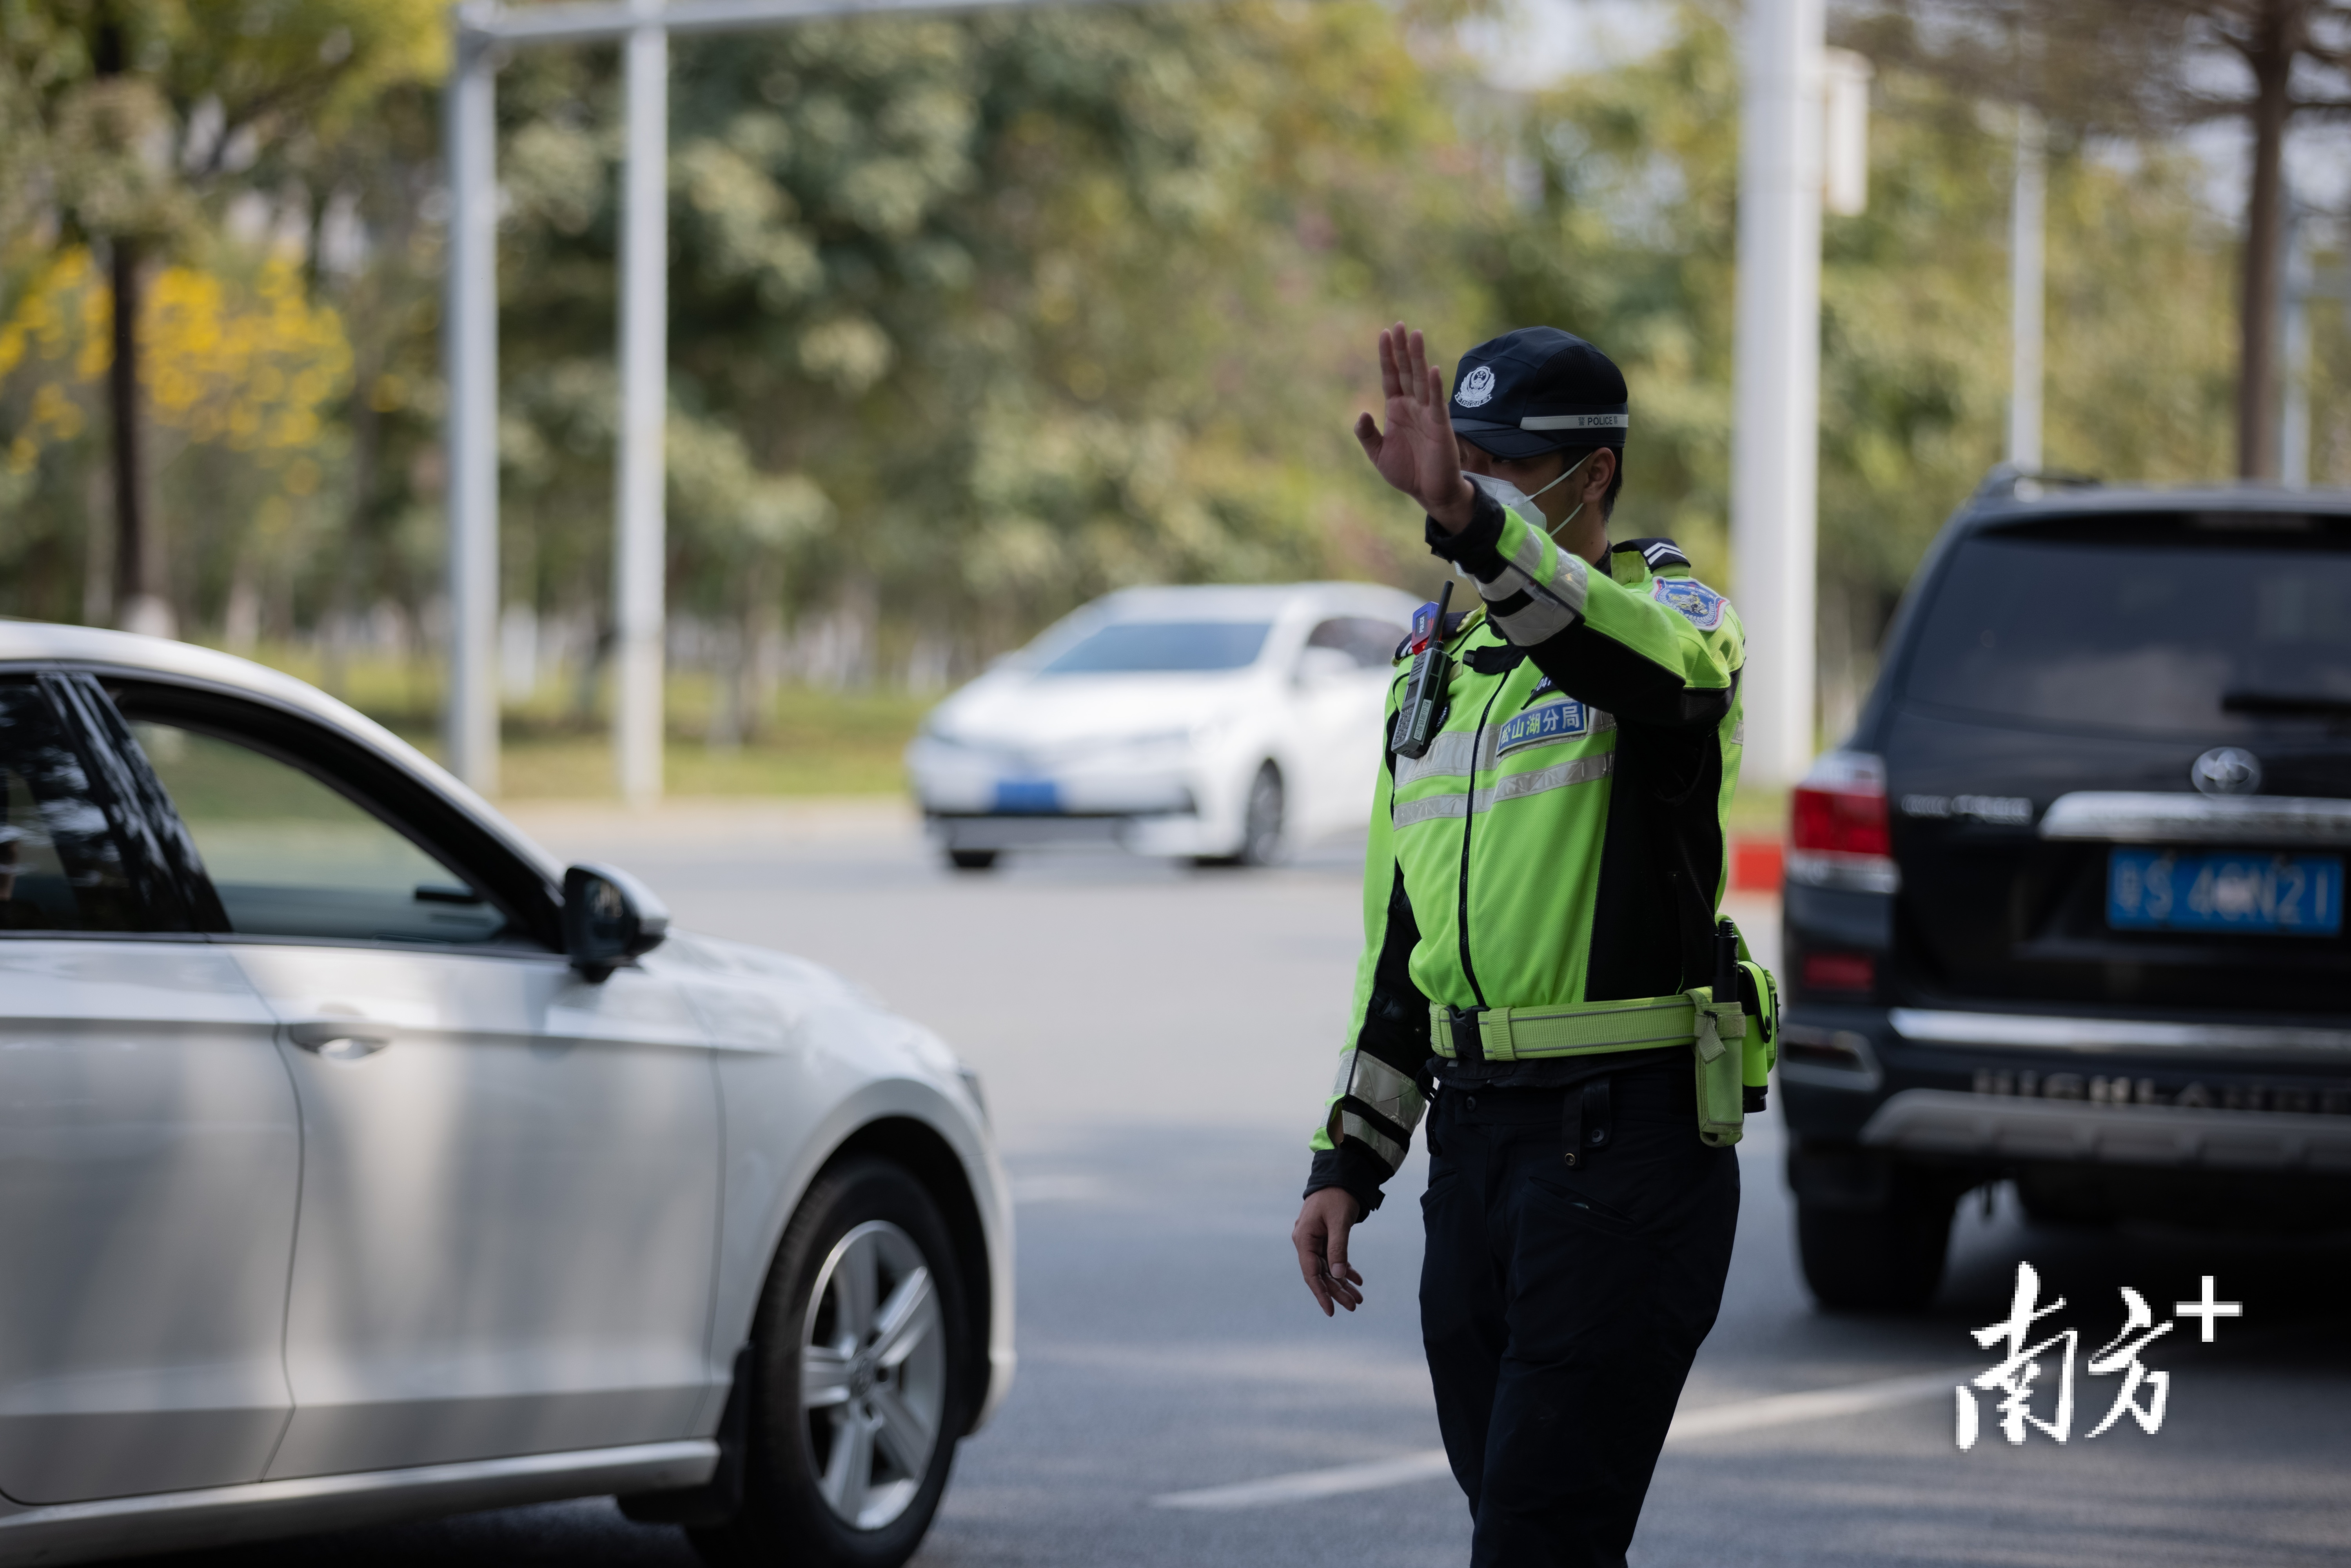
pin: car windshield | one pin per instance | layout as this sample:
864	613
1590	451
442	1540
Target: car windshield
2167	630
1124	647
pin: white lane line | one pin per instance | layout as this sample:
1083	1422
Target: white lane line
1306	1484
1712	1421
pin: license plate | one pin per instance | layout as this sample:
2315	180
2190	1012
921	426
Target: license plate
1028	797
2285	896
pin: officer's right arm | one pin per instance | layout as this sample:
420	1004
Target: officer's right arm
1377	1101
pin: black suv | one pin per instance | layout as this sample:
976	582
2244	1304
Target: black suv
2067	909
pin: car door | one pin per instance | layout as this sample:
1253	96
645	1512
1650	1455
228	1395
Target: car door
509	1192
149	1143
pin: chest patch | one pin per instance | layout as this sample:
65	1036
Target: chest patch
1702	605
1565	719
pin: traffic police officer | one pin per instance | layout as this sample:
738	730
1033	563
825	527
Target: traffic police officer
1538	899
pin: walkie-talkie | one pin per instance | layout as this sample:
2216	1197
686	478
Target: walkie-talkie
1726	964
1424	690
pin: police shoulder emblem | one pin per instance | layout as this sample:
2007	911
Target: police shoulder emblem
1702	605
1477	388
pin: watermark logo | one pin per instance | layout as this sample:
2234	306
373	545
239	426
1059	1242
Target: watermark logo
2144	1391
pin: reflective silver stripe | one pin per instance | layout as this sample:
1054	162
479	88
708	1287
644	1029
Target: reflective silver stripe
1347	1124
1381	1087
1518	786
1454	754
1450	755
1576	421
1538	621
1513	787
1432	807
1565	582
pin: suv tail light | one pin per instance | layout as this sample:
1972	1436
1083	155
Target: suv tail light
1837	826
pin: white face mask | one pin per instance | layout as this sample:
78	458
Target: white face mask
1514	499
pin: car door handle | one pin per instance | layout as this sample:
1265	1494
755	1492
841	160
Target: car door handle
339	1039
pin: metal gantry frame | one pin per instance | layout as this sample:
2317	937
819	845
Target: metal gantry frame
484	33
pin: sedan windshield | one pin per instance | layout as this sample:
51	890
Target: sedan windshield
1125	647
2163	637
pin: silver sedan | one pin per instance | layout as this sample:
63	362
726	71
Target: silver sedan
359	1162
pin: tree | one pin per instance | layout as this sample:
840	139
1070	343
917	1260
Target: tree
2137	66
139	111
1627	235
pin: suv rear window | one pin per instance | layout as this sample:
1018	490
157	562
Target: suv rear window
2162	625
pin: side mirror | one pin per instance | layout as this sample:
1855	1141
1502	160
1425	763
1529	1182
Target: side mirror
608	918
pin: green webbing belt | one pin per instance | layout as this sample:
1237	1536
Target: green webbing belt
1576	1028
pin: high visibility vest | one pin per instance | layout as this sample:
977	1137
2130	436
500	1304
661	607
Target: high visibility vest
1580	700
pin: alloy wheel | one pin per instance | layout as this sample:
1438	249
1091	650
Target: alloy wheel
873	1375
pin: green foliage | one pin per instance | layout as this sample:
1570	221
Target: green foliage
973	318
1633	243
1021	308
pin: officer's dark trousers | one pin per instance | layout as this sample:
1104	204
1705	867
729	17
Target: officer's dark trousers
1560	1307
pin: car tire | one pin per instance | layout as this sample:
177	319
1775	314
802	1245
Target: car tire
1886	1260
972	860
1263	822
849	1473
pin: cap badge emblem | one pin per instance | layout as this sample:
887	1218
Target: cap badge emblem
2227	770
1477	388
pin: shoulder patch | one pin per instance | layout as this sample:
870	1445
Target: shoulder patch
1701	605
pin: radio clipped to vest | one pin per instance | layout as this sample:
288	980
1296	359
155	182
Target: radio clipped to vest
1423	708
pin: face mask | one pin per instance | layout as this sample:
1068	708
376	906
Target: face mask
1511	498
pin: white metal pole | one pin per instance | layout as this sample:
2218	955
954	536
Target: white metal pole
2028	213
1775	433
469	330
2293	427
639	548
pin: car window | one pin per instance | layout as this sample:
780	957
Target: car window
1127	647
2187	640
291	856
61	868
1370	642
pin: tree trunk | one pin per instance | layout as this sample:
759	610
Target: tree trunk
2277	38
139	601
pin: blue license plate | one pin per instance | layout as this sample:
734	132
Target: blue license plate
2285	896
1028	797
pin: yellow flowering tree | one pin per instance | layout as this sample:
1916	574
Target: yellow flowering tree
241	374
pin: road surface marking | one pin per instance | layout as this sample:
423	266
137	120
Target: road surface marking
1712	1421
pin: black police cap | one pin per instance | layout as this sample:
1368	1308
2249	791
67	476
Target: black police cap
1535	390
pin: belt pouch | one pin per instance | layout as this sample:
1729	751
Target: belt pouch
1758	994
1720	1061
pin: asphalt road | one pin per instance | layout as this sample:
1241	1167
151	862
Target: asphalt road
1155	1044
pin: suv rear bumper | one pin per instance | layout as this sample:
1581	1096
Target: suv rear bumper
1946	1123
2002	1087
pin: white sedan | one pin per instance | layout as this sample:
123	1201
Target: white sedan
1222	723
359	1162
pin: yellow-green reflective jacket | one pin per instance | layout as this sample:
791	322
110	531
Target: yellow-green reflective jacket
1563	840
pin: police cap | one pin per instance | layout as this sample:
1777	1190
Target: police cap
1537	390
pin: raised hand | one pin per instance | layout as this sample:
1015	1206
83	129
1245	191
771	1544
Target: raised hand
1416	454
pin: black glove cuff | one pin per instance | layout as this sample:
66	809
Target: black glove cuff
1474	549
1352	1167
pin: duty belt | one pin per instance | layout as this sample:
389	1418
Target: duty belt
1578	1029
